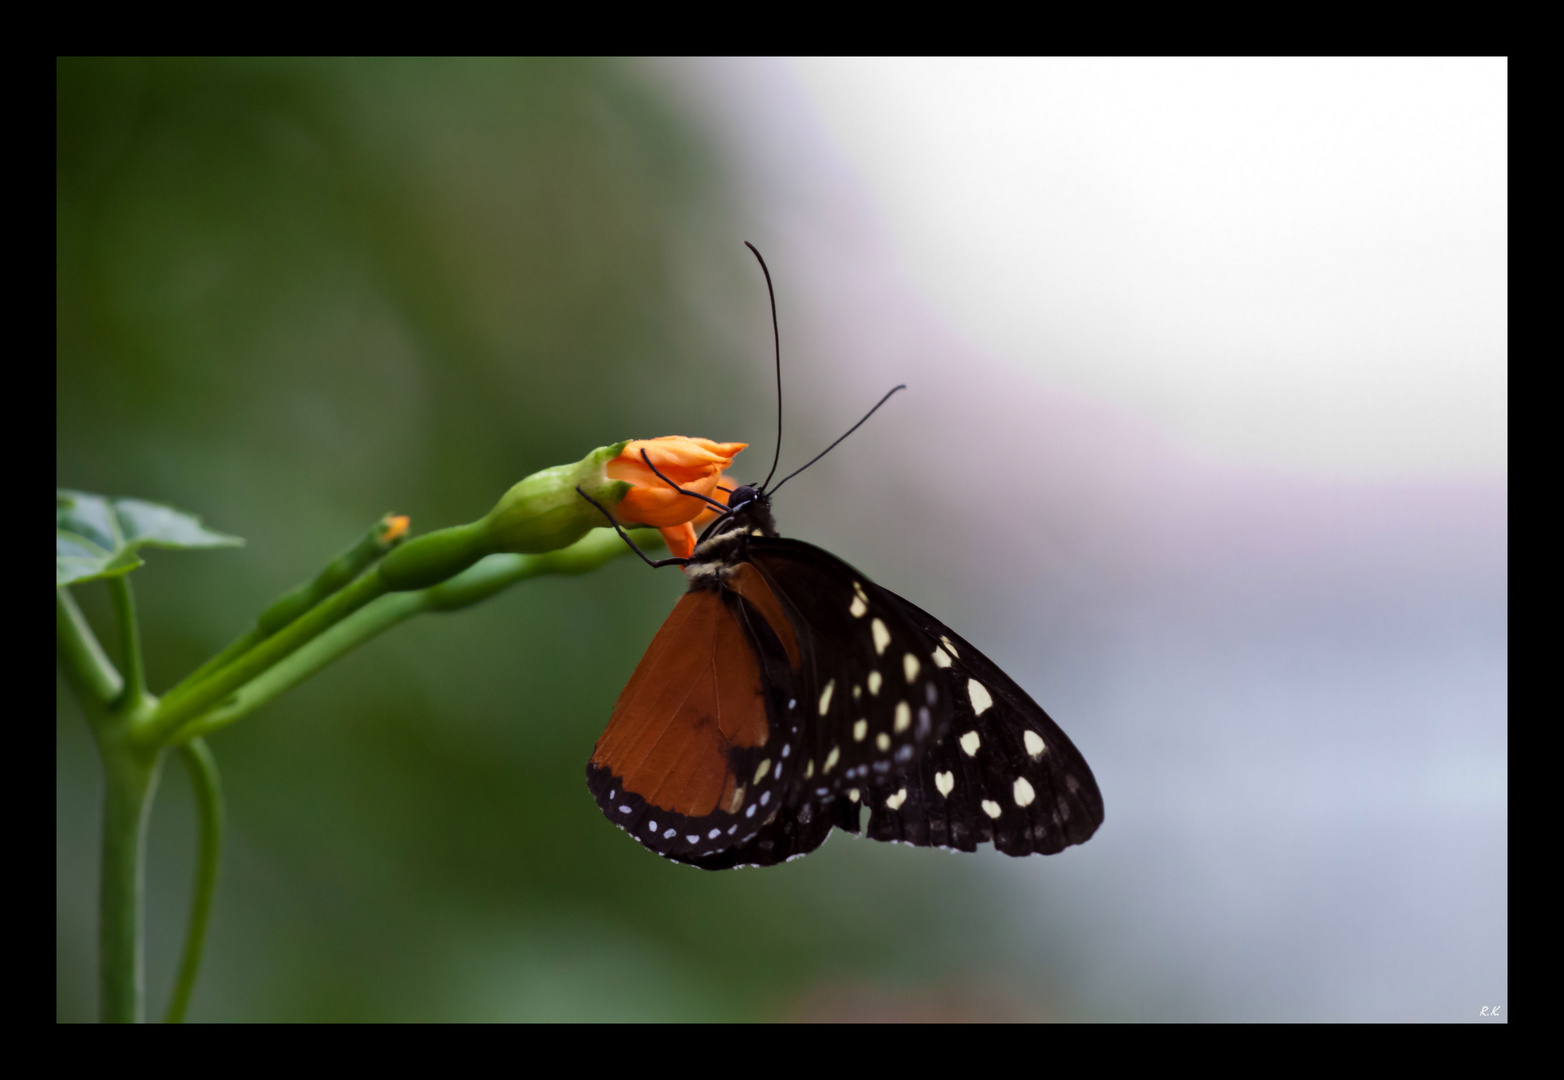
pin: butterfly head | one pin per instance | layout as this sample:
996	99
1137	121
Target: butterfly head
743	496
749	511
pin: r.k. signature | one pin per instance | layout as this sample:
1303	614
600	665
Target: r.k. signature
1490	1010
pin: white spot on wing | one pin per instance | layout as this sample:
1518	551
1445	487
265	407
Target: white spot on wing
949	647
857	608
860	729
883	741
970	743
895	801
991	808
882	637
760	770
651	826
825	697
874	683
852	793
1023	792
1034	743
980	697
765	796
941	657
831	758
714	834
809	768
945	781
903	719
910	667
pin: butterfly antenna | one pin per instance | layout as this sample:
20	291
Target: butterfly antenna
833	446
776	337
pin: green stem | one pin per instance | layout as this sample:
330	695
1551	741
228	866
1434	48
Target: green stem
202	767
381	537
89	670
231	652
183	705
347	635
490	576
129	778
130	641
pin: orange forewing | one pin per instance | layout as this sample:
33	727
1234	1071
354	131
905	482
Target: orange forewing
747	582
695	694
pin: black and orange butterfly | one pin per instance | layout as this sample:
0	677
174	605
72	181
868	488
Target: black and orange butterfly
787	691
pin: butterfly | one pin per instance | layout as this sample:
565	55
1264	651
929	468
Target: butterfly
787	692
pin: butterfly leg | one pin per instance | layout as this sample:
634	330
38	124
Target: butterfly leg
647	559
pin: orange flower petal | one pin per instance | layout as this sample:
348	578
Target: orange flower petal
680	539
692	463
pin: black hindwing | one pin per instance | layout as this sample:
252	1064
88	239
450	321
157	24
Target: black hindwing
914	722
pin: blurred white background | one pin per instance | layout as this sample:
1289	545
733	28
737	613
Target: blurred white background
1206	443
1300	262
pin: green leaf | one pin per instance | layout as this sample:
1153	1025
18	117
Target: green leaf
96	537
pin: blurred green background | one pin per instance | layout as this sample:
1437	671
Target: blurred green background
295	295
292	296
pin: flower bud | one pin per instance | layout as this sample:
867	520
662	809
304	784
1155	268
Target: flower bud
545	511
693	464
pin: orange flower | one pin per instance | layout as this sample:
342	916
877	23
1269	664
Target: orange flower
694	464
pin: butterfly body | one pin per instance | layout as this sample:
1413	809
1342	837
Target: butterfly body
787	691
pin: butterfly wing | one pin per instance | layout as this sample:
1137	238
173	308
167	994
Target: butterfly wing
775	702
953	753
698	757
866	688
1003	771
665	768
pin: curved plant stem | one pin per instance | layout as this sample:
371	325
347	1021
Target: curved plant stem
133	729
202	767
183	705
87	667
381	537
130	640
483	580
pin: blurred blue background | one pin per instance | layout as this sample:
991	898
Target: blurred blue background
1205	442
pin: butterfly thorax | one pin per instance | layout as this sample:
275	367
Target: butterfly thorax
721	547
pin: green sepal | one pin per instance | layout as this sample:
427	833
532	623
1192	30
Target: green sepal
97	537
545	512
542	513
